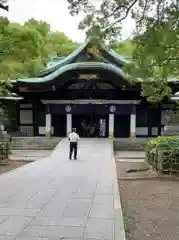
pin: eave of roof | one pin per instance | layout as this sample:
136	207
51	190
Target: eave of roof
76	66
36	80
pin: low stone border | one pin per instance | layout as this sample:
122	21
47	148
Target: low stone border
61	141
162	178
118	222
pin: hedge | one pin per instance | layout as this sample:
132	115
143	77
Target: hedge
163	153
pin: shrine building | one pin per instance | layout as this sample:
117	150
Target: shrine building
87	90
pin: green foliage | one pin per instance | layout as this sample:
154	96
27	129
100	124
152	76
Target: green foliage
163	153
124	48
59	44
25	48
20	46
156	38
126	223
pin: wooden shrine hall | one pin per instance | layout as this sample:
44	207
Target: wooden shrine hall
87	90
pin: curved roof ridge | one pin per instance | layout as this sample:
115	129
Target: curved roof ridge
73	66
66	60
114	54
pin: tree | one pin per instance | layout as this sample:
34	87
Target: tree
156	37
124	48
21	50
25	48
59	44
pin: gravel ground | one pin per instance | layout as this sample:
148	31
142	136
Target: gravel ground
10	166
150	206
122	168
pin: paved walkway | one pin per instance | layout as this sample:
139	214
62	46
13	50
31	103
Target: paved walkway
54	198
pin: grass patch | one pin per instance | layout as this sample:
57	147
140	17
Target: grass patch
126	223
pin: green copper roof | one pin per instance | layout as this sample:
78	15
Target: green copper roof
53	62
66	60
70	58
76	66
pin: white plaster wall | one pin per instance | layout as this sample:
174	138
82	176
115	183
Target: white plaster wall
143	131
26	116
28	130
42	130
154	131
163	117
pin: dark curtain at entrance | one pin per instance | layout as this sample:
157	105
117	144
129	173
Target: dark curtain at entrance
59	125
122	126
93	125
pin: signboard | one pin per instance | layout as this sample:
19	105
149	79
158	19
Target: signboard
23	89
88	76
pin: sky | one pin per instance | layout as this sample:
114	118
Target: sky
56	13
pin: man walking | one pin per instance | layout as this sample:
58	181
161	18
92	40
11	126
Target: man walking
73	138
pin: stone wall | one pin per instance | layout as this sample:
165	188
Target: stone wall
130	143
34	143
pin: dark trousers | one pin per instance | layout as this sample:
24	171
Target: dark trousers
73	147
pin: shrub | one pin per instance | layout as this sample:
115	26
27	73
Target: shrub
163	153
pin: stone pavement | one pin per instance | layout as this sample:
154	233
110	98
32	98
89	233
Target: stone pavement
54	198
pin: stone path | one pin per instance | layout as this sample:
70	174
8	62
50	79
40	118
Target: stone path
54	198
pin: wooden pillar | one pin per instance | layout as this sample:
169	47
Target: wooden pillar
111	126
48	122
133	122
68	123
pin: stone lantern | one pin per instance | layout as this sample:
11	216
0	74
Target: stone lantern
172	119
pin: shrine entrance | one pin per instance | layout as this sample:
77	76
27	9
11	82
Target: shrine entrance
91	125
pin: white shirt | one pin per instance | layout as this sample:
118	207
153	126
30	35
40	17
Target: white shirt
73	137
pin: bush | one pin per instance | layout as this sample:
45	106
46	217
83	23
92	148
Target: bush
163	153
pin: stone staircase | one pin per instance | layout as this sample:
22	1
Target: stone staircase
34	143
130	144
